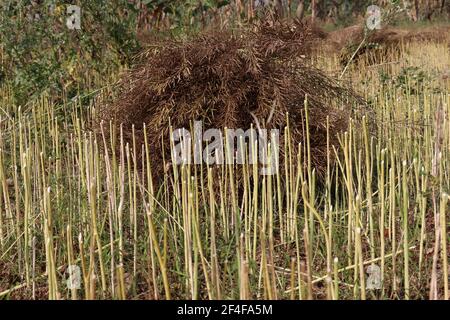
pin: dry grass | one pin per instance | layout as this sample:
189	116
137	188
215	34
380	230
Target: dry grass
380	43
232	80
66	201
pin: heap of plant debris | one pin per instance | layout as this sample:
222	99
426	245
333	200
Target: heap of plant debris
375	46
229	79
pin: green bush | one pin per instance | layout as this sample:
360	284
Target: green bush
41	54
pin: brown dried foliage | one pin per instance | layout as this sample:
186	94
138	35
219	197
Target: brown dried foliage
227	79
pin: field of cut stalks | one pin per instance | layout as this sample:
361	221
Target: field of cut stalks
373	226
